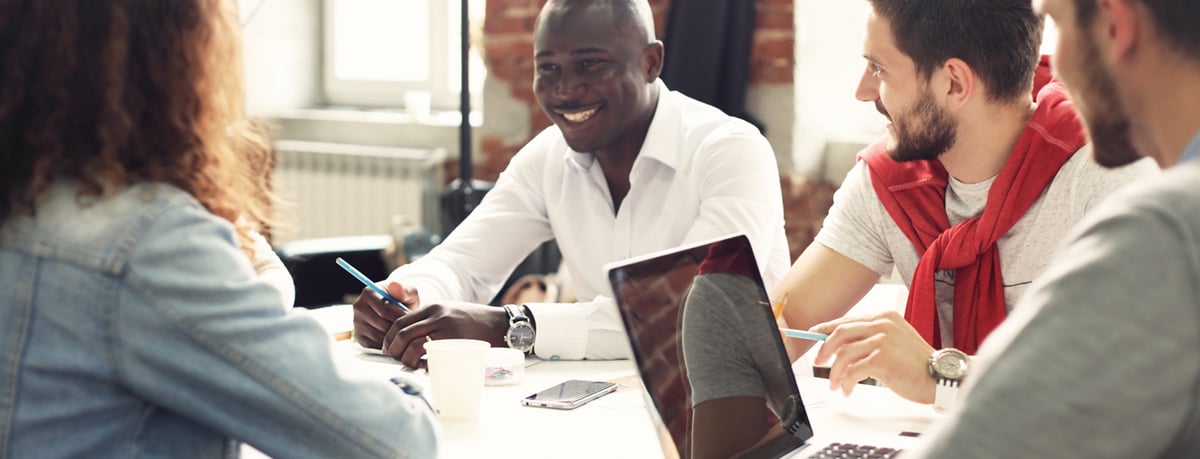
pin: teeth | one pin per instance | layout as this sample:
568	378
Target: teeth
580	116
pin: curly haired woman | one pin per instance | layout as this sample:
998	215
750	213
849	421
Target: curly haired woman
133	323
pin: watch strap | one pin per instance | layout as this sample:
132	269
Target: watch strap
528	315
515	313
945	397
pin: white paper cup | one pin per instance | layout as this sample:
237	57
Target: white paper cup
456	376
417	104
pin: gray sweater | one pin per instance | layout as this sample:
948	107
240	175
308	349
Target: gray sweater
1102	357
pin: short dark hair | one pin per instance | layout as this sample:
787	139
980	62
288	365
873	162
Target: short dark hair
1174	19
631	16
999	39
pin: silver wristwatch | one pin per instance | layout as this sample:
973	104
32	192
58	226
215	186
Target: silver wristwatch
520	335
948	367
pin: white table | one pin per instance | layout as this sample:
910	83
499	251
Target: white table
615	425
618	424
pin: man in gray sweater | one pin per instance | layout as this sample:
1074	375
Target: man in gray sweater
1102	359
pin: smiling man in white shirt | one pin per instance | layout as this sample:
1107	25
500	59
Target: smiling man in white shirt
628	168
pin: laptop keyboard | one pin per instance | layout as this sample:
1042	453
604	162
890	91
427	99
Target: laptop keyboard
851	450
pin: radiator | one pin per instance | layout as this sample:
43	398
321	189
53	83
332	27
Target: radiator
334	190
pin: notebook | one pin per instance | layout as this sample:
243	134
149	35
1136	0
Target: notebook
703	307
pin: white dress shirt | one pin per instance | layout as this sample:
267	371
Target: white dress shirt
699	175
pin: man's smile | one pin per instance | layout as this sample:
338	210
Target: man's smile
577	115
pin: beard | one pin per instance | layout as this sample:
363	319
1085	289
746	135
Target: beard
1104	118
923	132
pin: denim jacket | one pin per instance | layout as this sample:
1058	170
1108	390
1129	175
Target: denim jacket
133	326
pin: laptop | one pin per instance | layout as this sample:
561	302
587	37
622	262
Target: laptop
703	307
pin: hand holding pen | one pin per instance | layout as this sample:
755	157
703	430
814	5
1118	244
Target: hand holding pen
777	310
371	285
376	308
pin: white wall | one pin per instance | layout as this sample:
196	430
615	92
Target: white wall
829	63
771	105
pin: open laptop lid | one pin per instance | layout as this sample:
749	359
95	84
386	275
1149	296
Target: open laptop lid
704	307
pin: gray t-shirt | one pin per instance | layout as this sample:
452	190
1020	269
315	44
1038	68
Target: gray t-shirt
730	346
860	228
1102	358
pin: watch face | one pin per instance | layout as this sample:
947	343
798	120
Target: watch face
520	336
950	365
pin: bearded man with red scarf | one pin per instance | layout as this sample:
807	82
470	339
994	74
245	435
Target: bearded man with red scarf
967	197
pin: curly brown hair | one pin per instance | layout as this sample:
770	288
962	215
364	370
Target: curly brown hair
110	93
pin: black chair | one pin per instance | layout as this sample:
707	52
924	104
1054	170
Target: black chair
319	280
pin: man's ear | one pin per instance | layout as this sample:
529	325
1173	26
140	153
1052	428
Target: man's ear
652	60
1120	19
959	82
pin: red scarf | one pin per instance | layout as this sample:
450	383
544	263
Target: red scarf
914	194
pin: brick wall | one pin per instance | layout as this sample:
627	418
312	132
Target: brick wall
508	53
773	57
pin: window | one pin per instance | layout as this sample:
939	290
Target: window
1049	36
380	53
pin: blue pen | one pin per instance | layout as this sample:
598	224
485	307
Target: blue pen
361	278
804	334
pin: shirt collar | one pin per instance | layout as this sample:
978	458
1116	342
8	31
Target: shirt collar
662	139
661	142
1192	151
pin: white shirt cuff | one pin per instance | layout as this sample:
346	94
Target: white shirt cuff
562	332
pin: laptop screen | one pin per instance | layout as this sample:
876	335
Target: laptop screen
702	331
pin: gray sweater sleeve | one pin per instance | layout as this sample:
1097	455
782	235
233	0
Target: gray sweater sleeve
1100	360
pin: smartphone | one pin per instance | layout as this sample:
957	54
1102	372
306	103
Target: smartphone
569	394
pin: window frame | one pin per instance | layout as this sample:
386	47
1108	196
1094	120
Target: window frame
440	84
